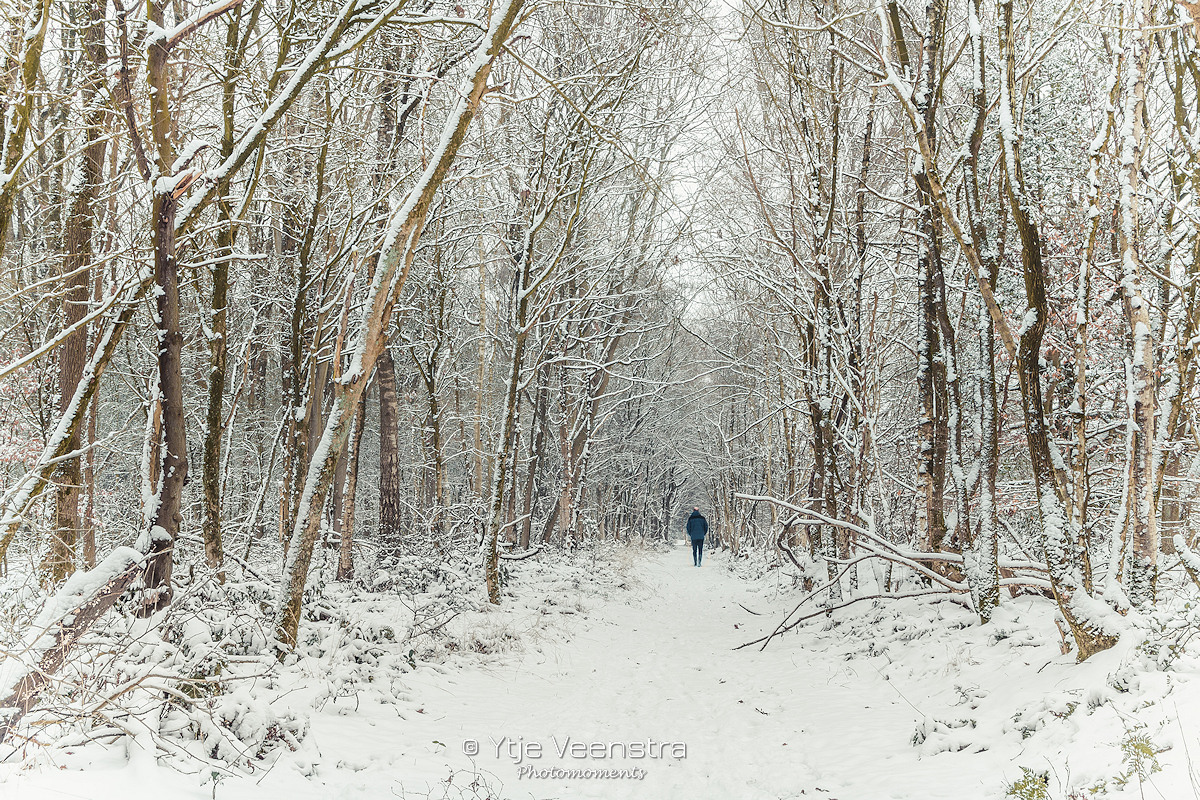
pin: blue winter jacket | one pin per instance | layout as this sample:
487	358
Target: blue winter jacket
697	526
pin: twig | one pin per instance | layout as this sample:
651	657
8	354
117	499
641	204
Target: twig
953	596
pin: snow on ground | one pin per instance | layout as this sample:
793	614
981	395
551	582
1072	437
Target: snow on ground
635	646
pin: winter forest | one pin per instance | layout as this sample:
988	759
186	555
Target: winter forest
361	362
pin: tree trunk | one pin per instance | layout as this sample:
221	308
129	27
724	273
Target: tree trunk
218	342
350	493
214	417
76	266
505	451
167	518
980	547
18	116
536	444
89	482
1141	507
931	387
389	455
88	601
303	380
1065	563
166	505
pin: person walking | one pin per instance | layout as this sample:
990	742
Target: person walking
697	526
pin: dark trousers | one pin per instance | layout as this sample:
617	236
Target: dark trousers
697	551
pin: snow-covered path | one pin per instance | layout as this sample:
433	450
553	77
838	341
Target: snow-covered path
663	668
776	724
818	714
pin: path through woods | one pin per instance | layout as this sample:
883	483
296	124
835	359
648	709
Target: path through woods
904	701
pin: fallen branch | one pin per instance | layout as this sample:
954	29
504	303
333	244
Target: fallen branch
522	556
68	615
875	545
896	558
955	597
808	516
780	627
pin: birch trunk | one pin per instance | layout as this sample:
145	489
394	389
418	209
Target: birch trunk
980	546
1141	508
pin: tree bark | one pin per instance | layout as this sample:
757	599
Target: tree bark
168	465
350	493
1066	564
980	547
537	443
167	517
18	116
390	532
77	261
218	338
1141	510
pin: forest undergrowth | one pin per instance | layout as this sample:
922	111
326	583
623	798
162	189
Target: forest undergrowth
201	679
